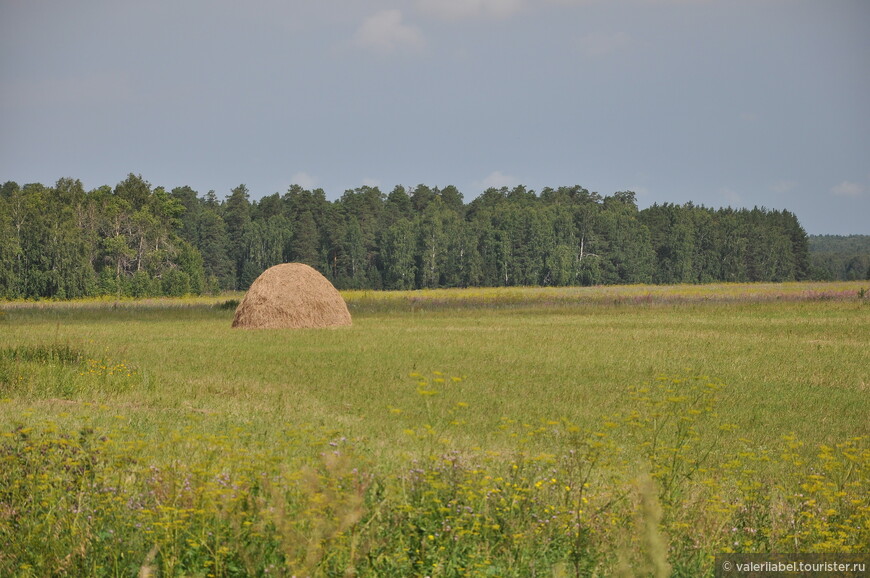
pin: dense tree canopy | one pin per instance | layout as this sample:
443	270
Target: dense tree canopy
139	240
844	257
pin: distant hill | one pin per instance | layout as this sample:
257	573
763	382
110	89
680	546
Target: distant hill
839	257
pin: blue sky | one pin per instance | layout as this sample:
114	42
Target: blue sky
718	102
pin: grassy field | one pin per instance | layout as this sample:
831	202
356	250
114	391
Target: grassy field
633	430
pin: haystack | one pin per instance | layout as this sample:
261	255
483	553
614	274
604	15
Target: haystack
293	296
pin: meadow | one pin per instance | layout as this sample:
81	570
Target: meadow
484	432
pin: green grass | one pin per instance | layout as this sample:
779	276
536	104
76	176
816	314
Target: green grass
780	359
345	445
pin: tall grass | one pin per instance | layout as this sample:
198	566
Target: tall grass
528	438
563	499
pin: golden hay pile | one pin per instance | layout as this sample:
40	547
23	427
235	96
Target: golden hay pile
292	296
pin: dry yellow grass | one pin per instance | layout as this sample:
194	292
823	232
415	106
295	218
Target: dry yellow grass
291	296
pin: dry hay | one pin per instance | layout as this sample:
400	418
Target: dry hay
292	296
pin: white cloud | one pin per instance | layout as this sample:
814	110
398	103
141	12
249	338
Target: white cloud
731	196
497	179
304	180
604	43
385	32
848	189
783	186
462	9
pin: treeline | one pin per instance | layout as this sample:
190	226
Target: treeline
139	240
841	257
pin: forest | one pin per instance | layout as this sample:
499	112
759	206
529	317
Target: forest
138	240
843	257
